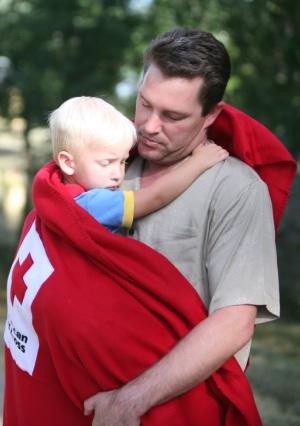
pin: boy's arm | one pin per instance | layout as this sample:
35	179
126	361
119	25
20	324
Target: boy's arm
165	189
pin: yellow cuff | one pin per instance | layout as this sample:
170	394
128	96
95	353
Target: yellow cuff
128	209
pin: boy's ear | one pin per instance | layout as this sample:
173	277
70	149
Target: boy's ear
65	161
210	118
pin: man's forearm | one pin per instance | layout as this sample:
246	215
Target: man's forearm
192	360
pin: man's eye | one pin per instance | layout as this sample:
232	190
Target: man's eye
144	103
174	117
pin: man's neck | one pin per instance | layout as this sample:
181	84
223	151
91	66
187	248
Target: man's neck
153	171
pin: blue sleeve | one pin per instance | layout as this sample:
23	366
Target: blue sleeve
106	206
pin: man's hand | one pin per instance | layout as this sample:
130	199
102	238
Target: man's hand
207	346
111	409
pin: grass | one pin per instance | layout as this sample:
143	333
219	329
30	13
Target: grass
274	373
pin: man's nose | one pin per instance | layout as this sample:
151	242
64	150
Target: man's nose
153	124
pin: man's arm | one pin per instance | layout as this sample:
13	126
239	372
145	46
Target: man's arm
201	352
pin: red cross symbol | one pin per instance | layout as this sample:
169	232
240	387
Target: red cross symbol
18	286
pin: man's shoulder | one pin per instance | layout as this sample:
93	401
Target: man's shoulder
236	167
234	178
235	171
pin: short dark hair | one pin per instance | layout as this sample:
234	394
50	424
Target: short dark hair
191	53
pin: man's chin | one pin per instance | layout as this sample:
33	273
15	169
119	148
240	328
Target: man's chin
148	153
157	157
152	158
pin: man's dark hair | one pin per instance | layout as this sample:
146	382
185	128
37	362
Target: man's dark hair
191	53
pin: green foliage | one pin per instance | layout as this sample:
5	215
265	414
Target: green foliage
263	39
274	372
63	48
59	49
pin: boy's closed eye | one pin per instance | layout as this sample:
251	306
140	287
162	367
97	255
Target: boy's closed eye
104	163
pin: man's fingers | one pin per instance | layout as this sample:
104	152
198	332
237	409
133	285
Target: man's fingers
89	406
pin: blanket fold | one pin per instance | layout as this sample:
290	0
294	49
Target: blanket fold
108	308
251	142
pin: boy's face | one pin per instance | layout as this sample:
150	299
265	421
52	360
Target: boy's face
96	166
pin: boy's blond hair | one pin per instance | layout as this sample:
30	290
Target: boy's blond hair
83	120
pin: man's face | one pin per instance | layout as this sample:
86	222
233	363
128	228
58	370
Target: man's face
168	117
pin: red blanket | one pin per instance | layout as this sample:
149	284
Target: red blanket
250	141
89	310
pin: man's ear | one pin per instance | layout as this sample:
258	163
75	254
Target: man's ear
210	118
66	162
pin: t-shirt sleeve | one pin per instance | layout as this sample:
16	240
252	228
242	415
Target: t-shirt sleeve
241	258
113	209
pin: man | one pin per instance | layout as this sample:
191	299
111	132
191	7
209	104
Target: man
219	233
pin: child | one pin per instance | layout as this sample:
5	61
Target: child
91	142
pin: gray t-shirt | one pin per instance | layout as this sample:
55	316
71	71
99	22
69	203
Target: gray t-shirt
220	234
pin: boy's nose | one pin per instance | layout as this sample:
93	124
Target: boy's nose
117	173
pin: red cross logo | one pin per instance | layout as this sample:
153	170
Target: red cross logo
18	286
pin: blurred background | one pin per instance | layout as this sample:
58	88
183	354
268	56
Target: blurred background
50	51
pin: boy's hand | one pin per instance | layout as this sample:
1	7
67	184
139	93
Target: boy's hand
210	154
